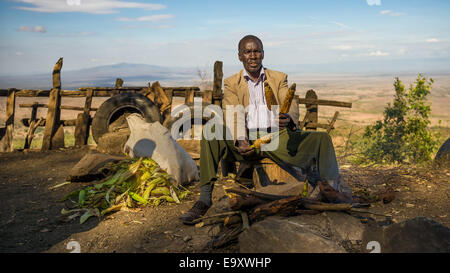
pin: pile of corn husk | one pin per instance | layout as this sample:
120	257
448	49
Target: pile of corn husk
135	183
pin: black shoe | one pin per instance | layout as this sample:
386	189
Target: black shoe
198	210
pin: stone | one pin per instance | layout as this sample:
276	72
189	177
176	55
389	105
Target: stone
89	168
418	235
345	227
443	155
282	235
113	142
338	226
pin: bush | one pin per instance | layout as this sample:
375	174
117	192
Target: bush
403	135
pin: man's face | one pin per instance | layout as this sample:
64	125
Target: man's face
251	55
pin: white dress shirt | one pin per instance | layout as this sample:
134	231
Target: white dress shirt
258	116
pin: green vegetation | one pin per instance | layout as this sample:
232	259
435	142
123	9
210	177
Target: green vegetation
133	183
19	139
403	136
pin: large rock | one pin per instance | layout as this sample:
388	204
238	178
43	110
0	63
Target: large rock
323	233
418	235
285	235
443	155
344	227
113	142
90	167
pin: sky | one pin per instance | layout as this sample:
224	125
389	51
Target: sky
89	33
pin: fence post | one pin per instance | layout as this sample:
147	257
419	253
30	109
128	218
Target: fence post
207	96
331	124
54	132
189	96
83	121
119	83
6	143
312	111
217	84
32	126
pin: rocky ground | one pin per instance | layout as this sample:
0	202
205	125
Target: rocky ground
30	219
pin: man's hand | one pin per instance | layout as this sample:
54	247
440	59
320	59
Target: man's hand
244	148
283	121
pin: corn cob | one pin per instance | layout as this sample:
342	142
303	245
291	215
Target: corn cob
270	98
288	99
260	141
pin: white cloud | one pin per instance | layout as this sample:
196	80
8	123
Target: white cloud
87	6
432	40
391	13
40	29
378	53
342	47
373	2
341	25
18	53
24	29
150	18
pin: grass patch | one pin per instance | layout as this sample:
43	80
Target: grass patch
69	141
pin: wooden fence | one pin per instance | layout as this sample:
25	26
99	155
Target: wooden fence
54	133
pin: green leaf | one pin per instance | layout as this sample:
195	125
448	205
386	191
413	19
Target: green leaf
85	216
81	197
108	193
138	198
88	214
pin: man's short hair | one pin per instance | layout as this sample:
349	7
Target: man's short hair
249	37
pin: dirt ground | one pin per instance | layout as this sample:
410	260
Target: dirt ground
30	219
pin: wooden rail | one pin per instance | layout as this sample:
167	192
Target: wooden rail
98	92
43	105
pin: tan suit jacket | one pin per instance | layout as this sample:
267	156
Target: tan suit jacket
236	93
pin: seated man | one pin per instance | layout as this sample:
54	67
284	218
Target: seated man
305	150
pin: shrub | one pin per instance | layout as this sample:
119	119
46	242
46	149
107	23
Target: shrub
403	135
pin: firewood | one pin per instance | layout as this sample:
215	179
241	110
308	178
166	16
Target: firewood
264	196
226	238
283	207
307	211
221	215
244	203
327	207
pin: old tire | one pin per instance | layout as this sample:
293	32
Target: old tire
121	104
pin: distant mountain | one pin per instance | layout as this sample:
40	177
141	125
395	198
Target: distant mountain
141	74
132	74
